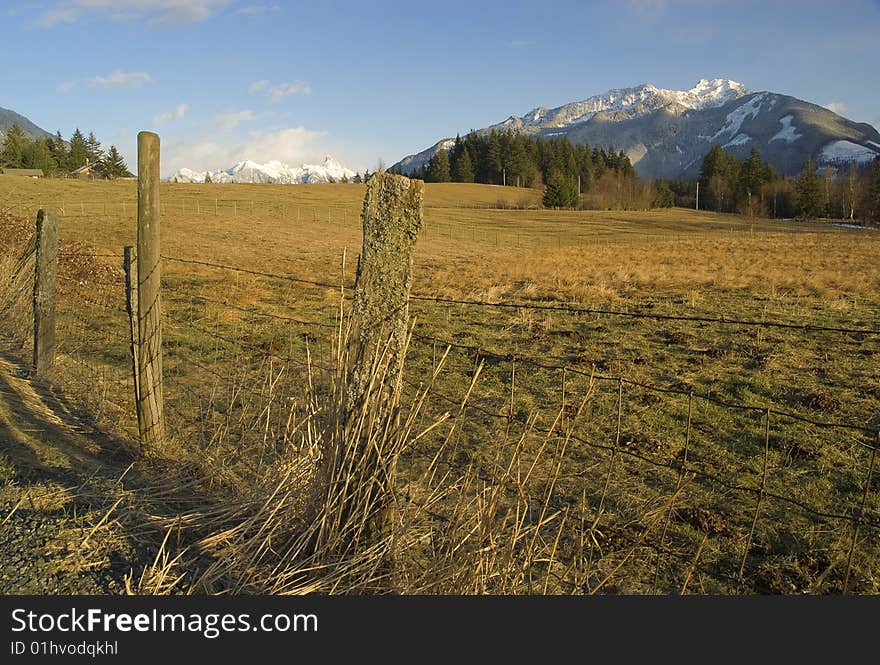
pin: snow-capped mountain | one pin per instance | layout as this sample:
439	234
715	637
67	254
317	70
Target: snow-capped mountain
666	133
629	103
272	172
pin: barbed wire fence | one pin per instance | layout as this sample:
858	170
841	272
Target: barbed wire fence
741	490
723	448
93	346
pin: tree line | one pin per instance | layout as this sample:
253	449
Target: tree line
55	156
752	187
572	175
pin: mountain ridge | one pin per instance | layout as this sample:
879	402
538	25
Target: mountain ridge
271	172
8	117
666	133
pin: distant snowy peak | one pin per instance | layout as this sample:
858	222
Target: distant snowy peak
712	93
272	172
632	103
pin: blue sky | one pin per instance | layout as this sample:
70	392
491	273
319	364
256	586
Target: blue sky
221	80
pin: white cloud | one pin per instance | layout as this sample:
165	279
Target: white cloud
58	15
231	120
253	10
67	86
154	12
837	107
167	116
121	79
293	145
276	92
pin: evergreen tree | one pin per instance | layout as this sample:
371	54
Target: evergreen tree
809	191
517	162
438	167
357	178
37	155
79	152
718	177
560	192
464	168
494	163
114	164
208	180
14	147
93	147
59	151
455	154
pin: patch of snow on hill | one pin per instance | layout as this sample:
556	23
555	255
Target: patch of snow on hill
788	133
739	139
738	116
847	151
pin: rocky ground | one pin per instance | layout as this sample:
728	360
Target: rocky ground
62	491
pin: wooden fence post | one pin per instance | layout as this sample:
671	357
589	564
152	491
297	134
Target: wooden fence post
45	272
360	471
392	218
131	308
151	420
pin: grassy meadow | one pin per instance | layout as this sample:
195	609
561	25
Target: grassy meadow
519	476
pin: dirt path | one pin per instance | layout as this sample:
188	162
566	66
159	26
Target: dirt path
62	483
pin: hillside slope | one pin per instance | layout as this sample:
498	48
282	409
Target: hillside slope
9	118
666	133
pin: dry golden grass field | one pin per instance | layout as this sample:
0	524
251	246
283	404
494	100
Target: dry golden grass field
681	454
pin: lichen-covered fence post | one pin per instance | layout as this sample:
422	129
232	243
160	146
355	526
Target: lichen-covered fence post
151	420
45	273
392	219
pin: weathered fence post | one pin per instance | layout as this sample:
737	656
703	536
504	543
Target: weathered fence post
361	468
392	218
45	272
151	420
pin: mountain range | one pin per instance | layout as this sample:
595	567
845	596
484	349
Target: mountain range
9	118
274	172
666	133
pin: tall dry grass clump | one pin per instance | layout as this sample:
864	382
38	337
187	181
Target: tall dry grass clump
344	509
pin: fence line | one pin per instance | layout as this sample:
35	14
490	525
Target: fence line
251	310
856	518
249	271
243	345
560	307
647	386
575	309
653	462
551	366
